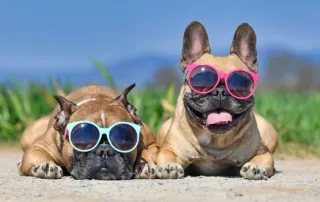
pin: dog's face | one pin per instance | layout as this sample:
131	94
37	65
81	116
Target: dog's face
103	162
219	105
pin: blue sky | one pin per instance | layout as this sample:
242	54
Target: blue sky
63	34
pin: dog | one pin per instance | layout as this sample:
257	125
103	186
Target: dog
213	133
48	154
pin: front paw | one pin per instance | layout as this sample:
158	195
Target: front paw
148	171
170	171
47	171
251	171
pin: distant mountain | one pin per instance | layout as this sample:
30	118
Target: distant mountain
139	69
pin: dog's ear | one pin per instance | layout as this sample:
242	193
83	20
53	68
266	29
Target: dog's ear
67	108
123	100
195	44
244	46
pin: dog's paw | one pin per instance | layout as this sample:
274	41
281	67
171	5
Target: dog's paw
148	171
47	171
170	171
251	171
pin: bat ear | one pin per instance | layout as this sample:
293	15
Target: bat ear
244	46
123	100
67	109
195	44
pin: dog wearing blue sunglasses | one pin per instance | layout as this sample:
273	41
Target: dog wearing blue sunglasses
93	133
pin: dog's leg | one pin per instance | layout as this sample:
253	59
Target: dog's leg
259	167
169	165
37	162
146	168
33	132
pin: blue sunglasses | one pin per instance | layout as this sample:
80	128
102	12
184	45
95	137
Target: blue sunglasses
85	136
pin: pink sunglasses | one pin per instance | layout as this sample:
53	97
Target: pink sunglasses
203	79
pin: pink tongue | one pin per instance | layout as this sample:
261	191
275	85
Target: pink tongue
218	118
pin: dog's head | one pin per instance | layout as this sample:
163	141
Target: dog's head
218	111
103	162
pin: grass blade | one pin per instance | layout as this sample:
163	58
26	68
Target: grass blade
104	73
17	105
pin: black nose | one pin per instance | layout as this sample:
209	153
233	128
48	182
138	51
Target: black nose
220	93
105	150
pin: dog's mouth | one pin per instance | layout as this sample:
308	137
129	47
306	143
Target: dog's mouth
218	120
91	165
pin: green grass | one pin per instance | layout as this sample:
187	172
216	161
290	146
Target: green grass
295	116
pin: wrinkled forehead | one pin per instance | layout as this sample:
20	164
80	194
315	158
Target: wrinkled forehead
223	64
102	114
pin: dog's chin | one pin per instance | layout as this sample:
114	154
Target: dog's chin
102	173
219	127
106	174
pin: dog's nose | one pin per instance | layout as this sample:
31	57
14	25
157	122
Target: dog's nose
220	93
105	150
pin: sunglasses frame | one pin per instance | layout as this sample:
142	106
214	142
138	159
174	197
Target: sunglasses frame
221	75
102	131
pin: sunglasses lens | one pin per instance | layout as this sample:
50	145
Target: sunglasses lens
203	78
123	137
84	136
240	84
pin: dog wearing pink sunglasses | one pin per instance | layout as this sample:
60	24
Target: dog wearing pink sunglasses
214	129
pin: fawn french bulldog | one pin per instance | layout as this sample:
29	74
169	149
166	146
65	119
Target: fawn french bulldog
214	130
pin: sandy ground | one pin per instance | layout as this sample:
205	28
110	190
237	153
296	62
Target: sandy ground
296	180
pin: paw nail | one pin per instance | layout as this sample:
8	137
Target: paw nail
254	170
44	166
152	171
51	169
160	169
